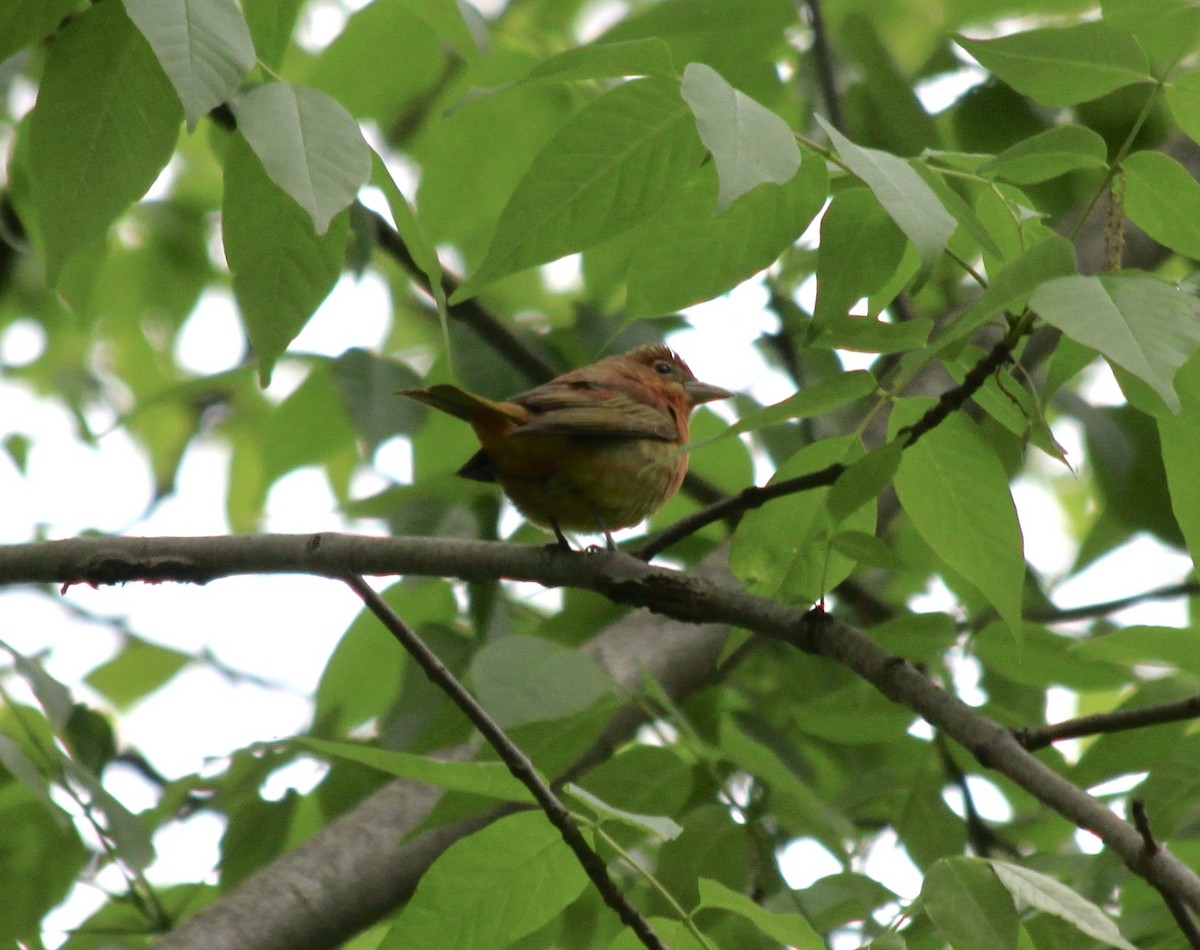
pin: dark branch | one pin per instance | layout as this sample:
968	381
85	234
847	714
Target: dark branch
755	497
1119	721
682	595
1104	608
1183	917
516	760
824	59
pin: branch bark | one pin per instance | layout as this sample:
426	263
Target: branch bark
682	595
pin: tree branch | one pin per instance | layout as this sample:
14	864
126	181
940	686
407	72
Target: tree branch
1119	721
518	763
623	579
367	862
1104	608
755	496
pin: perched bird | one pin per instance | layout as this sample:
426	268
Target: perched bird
594	449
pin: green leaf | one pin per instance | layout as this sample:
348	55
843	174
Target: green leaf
1183	99
749	143
281	269
825	396
490	888
612	164
1141	645
271	24
54	698
367	386
23	22
1010	288
527	679
129	833
956	492
791	930
684	254
310	146
104	125
308	427
139	669
490	779
905	196
646	56
864	481
1167	31
968	905
346	699
416	241
1063	66
861	247
1180	435
784	548
1058	150
20	767
1135	320
1053	897
204	47
659	826
1163	199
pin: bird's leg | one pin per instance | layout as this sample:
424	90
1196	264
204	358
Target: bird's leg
608	538
563	543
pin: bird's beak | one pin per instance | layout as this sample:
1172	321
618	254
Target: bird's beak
698	392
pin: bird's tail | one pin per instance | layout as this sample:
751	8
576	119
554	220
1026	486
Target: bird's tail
465	405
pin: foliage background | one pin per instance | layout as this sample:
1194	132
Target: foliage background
680	148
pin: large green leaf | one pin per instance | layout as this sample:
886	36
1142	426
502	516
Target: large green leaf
1009	289
861	247
1058	150
612	164
1063	66
489	779
954	489
26	21
281	269
527	679
490	888
140	668
684	254
969	906
904	194
647	56
104	125
309	145
1137	321
1163	199
784	548
1053	897
749	143
791	930
204	47
1180	435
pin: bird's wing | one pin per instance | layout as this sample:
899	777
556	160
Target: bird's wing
594	412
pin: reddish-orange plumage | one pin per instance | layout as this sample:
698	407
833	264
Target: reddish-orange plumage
592	450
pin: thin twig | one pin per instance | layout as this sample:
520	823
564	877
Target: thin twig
980	834
1187	924
1104	608
823	57
735	506
1098	723
516	760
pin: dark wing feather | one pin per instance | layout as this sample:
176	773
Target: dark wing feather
595	412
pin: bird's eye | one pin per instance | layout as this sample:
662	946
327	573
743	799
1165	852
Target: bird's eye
663	368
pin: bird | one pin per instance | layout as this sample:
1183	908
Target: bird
593	450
